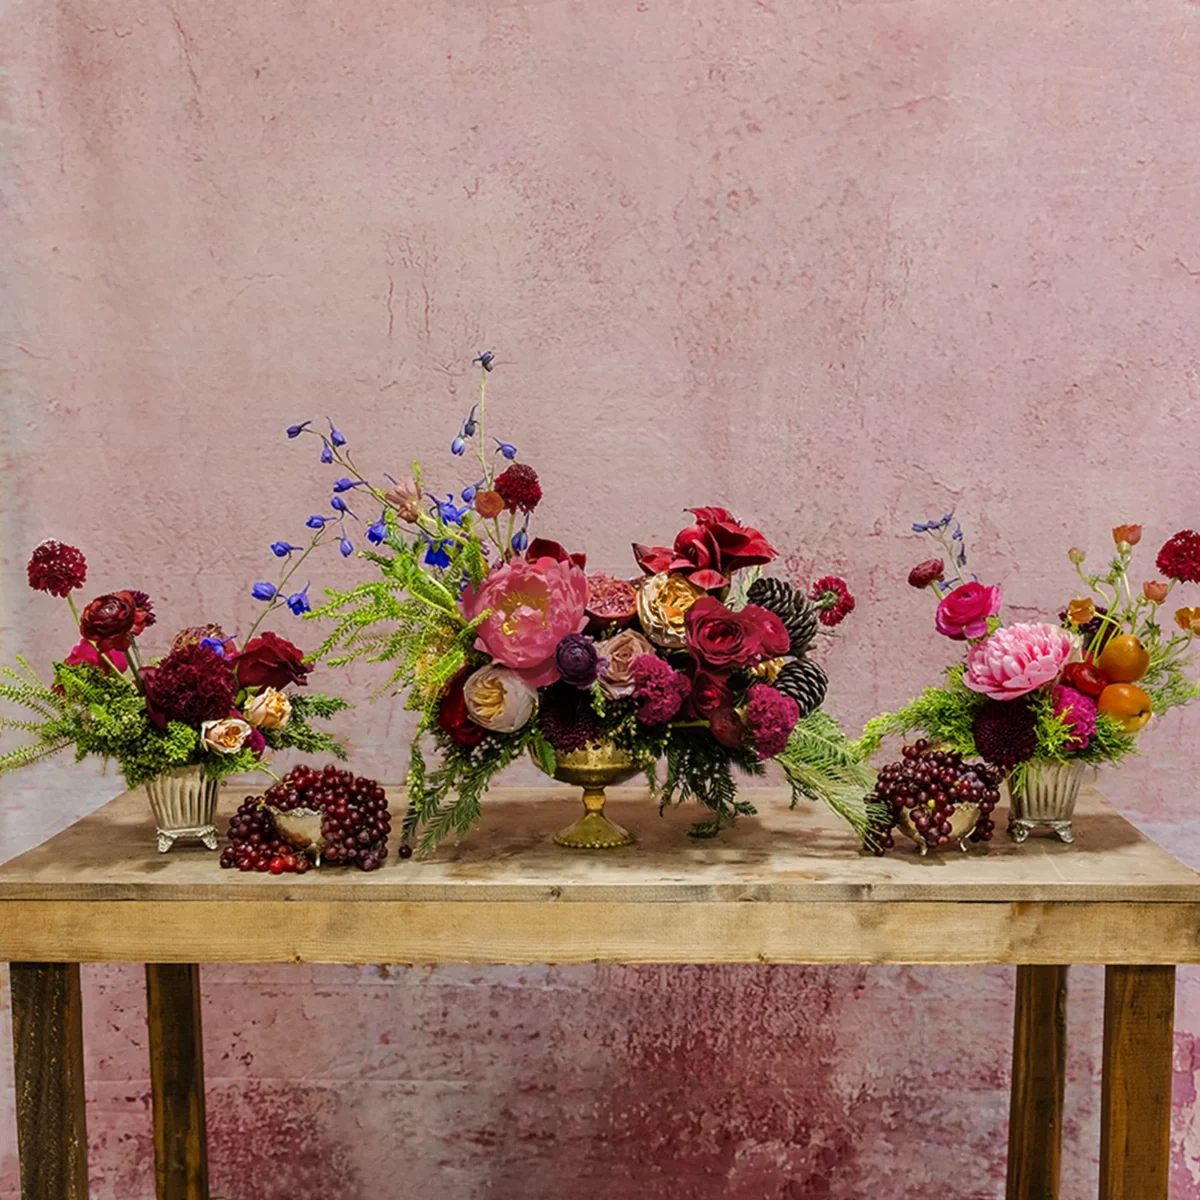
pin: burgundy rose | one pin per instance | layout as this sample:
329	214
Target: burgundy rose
270	661
724	640
709	693
452	714
109	621
709	551
727	727
764	631
963	613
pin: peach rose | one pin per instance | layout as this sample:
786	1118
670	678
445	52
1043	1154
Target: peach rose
226	736
270	709
499	699
663	601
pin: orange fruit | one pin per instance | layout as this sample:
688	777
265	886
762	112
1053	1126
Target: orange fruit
1124	659
1127	704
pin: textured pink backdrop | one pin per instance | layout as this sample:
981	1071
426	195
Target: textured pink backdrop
837	264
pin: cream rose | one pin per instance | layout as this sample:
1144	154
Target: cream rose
226	736
270	709
662	602
621	649
499	699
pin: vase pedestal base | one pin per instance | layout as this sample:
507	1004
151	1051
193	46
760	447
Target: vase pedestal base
1019	829
594	831
205	834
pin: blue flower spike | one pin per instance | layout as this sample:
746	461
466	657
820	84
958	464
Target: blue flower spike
339	505
283	549
470	491
486	360
435	553
263	591
378	532
920	527
448	511
298	601
334	435
344	484
520	541
216	645
470	425
326	451
316	521
458	447
506	448
294	431
346	546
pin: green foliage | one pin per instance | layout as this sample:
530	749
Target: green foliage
700	768
945	714
822	765
299	734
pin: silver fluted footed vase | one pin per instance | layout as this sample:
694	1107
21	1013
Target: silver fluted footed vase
1046	799
184	804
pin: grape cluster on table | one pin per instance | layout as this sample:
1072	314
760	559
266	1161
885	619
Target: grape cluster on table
929	783
355	822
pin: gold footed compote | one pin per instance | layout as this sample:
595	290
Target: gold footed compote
594	768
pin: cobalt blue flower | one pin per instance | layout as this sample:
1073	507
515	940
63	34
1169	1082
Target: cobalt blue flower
346	546
520	541
506	448
263	591
485	360
283	549
316	521
447	510
216	645
344	484
470	425
458	446
378	532
336	502
470	491
298	601
326	451
294	431
334	436
435	554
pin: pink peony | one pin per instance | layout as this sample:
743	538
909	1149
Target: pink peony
86	655
1078	711
963	613
534	605
770	717
1017	659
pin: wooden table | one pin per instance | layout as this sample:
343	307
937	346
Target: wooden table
786	888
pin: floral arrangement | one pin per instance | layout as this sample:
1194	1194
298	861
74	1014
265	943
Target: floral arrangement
1078	690
205	702
506	645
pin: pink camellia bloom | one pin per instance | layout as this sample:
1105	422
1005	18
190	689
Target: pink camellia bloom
1016	659
534	605
963	613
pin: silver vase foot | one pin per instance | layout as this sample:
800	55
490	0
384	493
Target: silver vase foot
206	834
1019	830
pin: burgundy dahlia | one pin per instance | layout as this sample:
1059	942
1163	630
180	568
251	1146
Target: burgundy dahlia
519	488
56	568
1180	557
192	685
833	600
1005	732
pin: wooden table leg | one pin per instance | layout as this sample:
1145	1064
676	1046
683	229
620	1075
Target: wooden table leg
1135	1101
47	1017
1038	1077
177	1081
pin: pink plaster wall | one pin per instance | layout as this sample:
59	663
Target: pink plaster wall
837	264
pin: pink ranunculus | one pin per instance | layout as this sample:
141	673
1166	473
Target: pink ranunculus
1016	659
534	605
85	654
963	613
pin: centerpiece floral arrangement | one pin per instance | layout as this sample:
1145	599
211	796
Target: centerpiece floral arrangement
505	645
205	703
1039	701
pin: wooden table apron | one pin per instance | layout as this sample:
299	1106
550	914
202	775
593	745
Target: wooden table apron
784	888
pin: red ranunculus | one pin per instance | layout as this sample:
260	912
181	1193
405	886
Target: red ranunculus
452	714
270	661
547	548
709	551
110	622
724	640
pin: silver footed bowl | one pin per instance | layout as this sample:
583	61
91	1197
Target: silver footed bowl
301	829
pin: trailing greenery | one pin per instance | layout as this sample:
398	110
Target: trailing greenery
700	768
946	713
299	734
824	766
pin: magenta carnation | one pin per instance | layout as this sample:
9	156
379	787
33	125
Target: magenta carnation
658	688
1016	659
534	605
1078	711
770	717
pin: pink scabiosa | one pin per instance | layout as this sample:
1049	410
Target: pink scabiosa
1016	659
832	598
1180	557
1078	711
56	568
534	605
658	688
770	717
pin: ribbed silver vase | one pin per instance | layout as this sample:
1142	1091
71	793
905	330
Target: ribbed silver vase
1046	800
185	807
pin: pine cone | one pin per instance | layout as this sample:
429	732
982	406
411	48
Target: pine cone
793	608
806	682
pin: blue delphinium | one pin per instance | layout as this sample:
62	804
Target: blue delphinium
485	360
263	591
337	503
335	435
506	448
316	521
326	451
283	549
377	532
298	601
294	431
344	484
435	553
449	512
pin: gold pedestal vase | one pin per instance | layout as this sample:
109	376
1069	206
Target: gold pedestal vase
184	804
594	768
1046	799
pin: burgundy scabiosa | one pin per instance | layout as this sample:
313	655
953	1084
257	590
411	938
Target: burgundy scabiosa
1005	732
832	597
1180	557
568	720
56	568
770	717
658	688
519	488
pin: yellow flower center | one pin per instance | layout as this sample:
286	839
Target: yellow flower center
514	601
